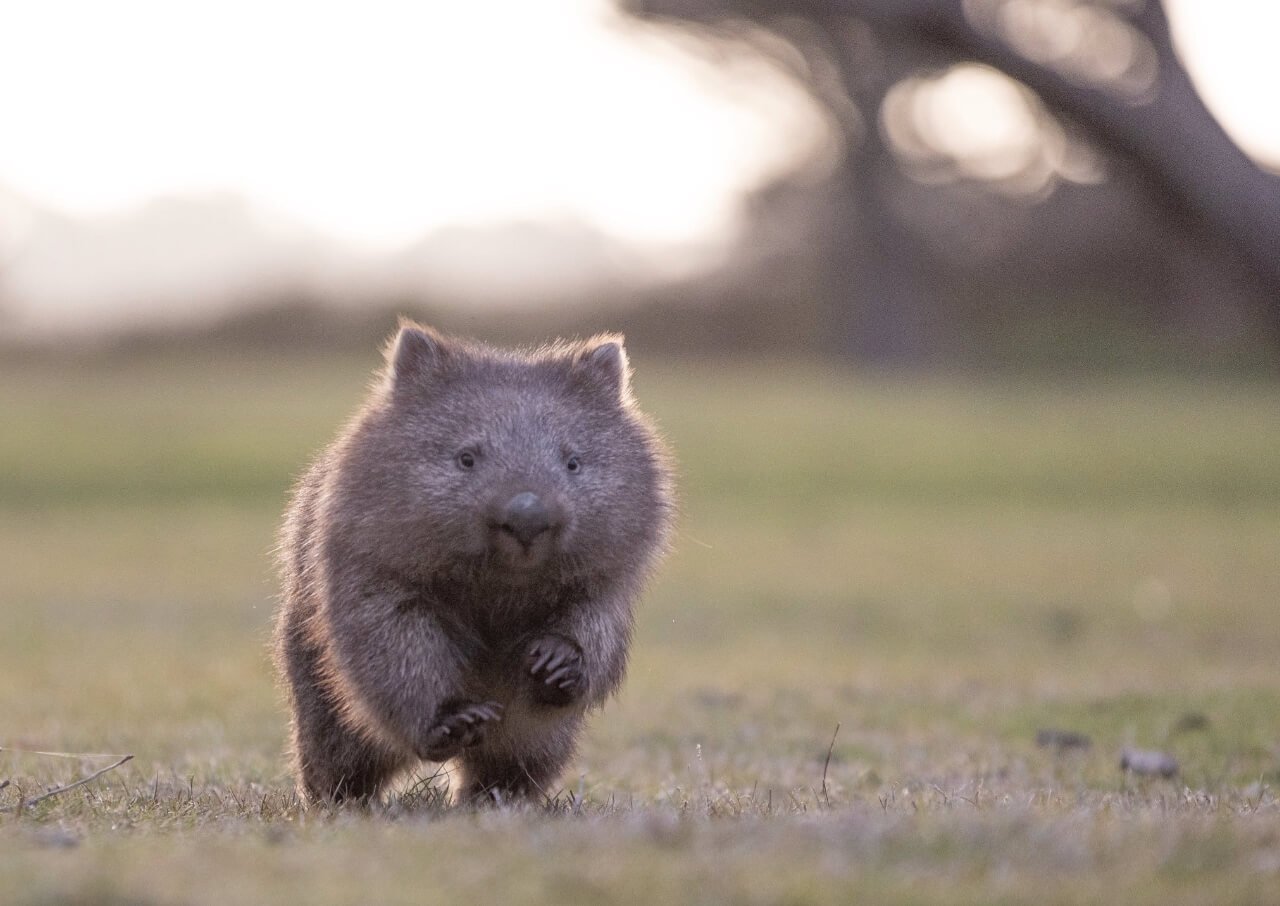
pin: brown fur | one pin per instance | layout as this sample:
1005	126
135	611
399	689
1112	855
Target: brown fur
414	625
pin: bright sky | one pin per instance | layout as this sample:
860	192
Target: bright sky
378	120
1230	48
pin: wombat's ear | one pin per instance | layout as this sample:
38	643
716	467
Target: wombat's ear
415	352
603	361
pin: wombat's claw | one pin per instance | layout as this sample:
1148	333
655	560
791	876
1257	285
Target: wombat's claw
555	664
459	729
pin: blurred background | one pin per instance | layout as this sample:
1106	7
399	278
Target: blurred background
961	316
926	184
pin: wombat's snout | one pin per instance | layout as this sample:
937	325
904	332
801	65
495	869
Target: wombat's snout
525	517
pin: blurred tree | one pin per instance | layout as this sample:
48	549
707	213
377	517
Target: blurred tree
1107	98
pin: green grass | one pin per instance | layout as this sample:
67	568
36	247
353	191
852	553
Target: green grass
942	567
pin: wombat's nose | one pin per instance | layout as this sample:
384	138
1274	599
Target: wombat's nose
526	517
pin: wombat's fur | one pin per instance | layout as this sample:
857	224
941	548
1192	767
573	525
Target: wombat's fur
460	566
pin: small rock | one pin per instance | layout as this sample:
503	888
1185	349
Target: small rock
1062	739
1191	722
1148	763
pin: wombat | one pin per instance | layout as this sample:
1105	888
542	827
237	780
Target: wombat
461	564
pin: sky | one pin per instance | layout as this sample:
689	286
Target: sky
371	123
377	119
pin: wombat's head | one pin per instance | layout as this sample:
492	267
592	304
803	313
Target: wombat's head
524	465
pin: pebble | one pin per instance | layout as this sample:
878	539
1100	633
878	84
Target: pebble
1148	763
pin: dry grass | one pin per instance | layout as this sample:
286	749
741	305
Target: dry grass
941	567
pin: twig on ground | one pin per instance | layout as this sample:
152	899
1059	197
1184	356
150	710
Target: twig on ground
61	754
826	764
36	800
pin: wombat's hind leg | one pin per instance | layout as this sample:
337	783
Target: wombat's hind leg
333	763
346	770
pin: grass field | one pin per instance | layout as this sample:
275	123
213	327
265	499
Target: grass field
942	567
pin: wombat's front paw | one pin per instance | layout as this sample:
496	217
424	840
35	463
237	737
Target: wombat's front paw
555	666
458	726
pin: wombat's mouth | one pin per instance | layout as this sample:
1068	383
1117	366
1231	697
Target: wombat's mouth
523	556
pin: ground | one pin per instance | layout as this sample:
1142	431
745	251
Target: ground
940	567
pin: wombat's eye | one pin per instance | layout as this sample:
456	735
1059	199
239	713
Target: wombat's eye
573	464
466	459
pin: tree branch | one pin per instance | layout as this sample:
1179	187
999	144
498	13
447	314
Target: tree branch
1172	140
